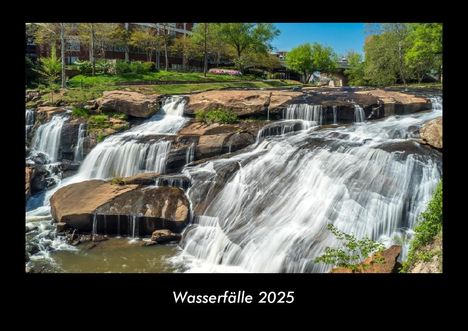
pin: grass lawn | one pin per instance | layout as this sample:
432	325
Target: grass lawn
86	81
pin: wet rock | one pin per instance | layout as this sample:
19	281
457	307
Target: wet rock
75	203
398	103
131	103
120	209
431	133
385	262
61	226
29	174
146	178
164	236
241	102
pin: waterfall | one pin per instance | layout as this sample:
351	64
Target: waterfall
359	115
134	227
334	115
304	112
94	230
79	144
29	120
436	103
47	137
135	150
190	153
272	214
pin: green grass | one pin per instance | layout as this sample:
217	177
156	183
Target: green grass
85	80
217	116
429	227
420	85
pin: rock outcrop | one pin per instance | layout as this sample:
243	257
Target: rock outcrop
241	102
29	173
431	133
385	262
120	209
44	114
131	103
398	103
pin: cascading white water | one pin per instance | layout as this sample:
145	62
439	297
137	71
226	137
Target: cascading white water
271	216
334	115
190	153
29	120
304	112
47	137
79	144
436	103
132	151
359	115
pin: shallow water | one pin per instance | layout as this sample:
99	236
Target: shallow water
116	255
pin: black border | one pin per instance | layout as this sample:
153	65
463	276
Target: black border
361	296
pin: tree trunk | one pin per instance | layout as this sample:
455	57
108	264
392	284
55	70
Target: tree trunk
205	51
165	56
91	51
62	51
127	51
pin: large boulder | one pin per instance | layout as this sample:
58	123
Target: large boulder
44	114
76	203
382	263
241	102
131	103
111	208
398	103
431	133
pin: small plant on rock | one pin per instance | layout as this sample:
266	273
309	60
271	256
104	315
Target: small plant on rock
352	253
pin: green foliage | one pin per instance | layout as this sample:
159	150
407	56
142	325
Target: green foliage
117	181
80	112
217	116
352	254
247	37
424	55
308	58
430	225
50	67
98	121
84	67
355	71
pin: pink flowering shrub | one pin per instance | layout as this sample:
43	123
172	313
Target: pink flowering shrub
225	72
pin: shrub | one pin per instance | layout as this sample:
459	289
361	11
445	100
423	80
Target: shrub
429	227
217	116
105	67
98	121
79	112
84	67
122	67
353	252
277	75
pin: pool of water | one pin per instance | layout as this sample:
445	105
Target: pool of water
115	255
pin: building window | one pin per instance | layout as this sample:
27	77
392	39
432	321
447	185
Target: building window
73	45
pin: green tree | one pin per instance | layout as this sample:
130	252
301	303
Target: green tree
247	37
186	48
308	58
355	71
50	69
424	55
146	40
352	253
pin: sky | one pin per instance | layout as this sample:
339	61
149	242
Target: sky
342	37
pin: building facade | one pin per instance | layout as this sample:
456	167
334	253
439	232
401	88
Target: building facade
75	51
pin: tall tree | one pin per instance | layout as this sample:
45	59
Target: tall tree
184	47
355	70
244	37
424	54
166	39
309	58
52	35
147	40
